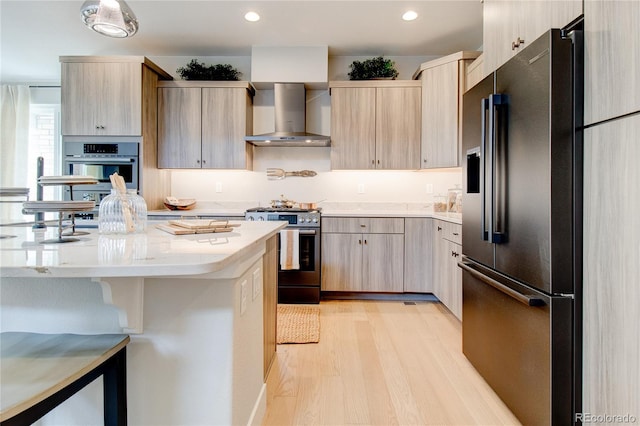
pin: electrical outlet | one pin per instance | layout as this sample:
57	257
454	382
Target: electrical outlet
243	297
257	282
361	188
429	188
218	186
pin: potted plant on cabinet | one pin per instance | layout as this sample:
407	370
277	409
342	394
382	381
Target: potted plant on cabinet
373	69
195	70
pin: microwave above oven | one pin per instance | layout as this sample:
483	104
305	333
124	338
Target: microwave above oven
100	158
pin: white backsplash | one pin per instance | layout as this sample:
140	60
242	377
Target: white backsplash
380	186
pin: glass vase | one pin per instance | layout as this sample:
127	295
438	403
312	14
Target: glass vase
118	210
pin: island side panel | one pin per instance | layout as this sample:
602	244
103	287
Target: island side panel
199	360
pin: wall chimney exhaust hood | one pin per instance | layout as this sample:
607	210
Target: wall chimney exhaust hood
288	70
289	101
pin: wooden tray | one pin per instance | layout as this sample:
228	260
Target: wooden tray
202	223
179	230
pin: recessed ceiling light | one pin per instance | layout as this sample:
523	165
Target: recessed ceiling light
409	15
252	16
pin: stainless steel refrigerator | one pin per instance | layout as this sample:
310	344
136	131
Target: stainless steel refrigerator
521	236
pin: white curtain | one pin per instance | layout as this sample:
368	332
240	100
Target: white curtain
14	143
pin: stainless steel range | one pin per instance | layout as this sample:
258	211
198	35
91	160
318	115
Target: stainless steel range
301	285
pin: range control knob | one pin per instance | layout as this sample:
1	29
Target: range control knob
261	218
250	218
315	220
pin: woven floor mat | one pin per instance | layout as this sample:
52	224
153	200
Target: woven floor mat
298	323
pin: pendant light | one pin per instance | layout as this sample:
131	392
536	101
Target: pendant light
113	18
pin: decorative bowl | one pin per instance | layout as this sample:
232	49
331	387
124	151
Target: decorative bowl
179	203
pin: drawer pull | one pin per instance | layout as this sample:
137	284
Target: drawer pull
456	234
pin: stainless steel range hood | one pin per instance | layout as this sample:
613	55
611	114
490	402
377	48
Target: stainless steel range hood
289	101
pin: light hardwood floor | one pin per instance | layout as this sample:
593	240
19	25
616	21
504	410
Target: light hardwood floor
381	363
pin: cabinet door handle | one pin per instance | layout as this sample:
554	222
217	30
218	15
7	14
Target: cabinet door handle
365	241
359	241
373	162
197	161
455	233
204	161
517	43
100	127
439	228
378	161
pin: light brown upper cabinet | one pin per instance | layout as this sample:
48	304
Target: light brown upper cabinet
443	84
375	124
117	96
203	125
612	59
510	25
103	95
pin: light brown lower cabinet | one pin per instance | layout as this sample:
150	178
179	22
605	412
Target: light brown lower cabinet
270	300
447	276
363	254
393	255
418	251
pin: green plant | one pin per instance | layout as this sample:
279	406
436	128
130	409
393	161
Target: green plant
195	70
373	68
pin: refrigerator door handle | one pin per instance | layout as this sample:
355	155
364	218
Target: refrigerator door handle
492	164
522	298
484	105
494	102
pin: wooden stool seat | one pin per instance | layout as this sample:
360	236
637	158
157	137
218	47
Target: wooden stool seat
40	371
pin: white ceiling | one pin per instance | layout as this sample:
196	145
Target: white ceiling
35	33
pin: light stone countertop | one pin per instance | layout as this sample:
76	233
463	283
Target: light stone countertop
449	217
329	209
154	253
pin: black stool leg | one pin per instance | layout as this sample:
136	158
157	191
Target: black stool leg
115	390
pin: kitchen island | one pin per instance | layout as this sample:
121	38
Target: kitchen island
193	304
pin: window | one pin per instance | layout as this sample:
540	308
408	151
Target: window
45	142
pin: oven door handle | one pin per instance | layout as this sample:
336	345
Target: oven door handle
307	232
100	160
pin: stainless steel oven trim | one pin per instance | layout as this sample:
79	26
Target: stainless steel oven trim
105	159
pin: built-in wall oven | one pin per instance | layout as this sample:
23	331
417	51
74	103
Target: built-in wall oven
100	158
300	285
